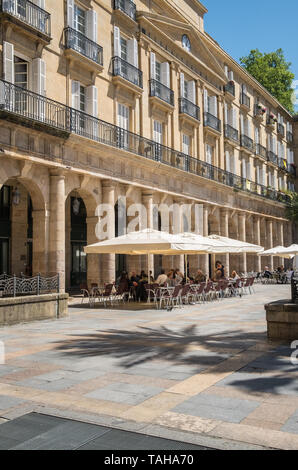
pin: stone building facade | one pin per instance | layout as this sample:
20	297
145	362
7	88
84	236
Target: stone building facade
101	100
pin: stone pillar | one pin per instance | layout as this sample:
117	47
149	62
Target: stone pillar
179	259
93	260
270	241
57	226
224	228
257	241
242	236
205	258
108	265
147	200
40	242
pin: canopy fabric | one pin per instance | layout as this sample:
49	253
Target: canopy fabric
279	251
236	246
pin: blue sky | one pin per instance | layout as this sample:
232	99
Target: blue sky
264	24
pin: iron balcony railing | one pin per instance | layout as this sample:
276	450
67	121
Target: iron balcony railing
127	71
292	169
230	88
283	164
270	121
212	121
13	286
187	107
290	137
245	100
126	6
30	108
83	45
28	13
161	91
272	157
261	151
247	142
231	133
280	129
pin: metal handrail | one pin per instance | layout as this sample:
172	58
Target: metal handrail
124	69
80	43
212	121
38	109
231	133
187	107
28	13
161	91
127	6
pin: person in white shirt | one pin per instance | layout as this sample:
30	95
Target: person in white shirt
162	278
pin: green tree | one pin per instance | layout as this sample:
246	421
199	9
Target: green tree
292	207
273	72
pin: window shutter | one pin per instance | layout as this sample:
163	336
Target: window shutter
152	66
70	13
132	52
257	135
182	90
8	61
248	128
232	163
165	73
117	48
191	88
248	170
91	20
39	76
244	89
227	71
243	168
213	105
263	176
231	75
274	144
75	92
209	154
242	123
235	118
226	114
91	100
228	166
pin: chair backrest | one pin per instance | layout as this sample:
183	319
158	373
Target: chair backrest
200	288
108	289
185	289
176	291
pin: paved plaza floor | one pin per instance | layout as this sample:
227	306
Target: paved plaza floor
203	374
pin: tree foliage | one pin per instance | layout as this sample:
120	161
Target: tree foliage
273	72
292	208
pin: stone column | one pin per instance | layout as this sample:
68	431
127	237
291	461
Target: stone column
108	265
205	258
270	241
40	241
57	226
257	241
147	200
93	261
242	236
224	228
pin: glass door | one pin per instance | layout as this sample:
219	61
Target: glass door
79	265
4	256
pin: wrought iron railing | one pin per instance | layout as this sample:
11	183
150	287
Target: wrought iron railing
83	45
270	121
212	121
290	137
28	13
161	91
127	6
272	157
230	88
247	142
24	105
261	151
231	133
13	286
187	107
127	71
245	100
280	129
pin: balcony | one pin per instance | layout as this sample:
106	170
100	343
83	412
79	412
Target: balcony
245	100
127	72
247	143
80	44
127	7
189	108
283	164
290	138
281	129
212	122
272	157
27	15
259	112
162	92
231	133
261	151
230	88
32	110
270	122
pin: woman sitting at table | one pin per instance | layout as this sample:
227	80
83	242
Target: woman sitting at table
234	276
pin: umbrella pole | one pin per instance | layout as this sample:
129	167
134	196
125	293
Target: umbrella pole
148	269
185	267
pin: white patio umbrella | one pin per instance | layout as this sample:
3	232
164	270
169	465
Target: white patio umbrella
236	246
279	251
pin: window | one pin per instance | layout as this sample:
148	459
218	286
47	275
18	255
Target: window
209	154
82	98
186	43
20	72
158	71
123	123
123	48
79	20
186	144
157	137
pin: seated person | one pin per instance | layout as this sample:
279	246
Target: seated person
235	276
162	278
267	274
200	277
